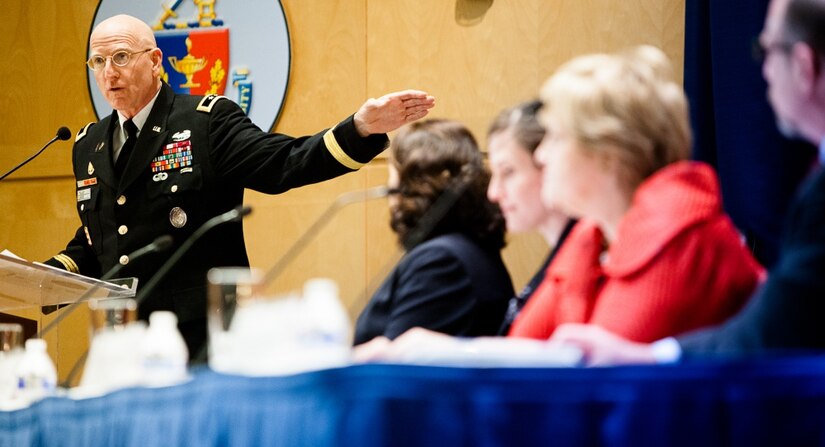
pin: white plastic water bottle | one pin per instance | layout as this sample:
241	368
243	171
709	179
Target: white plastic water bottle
329	328
163	351
36	374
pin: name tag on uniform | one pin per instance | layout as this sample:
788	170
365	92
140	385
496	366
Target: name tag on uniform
87	182
84	194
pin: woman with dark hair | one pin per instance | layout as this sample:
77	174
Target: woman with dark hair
452	279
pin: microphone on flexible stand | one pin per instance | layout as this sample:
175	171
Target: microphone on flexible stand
235	215
62	134
161	243
420	233
295	249
340	202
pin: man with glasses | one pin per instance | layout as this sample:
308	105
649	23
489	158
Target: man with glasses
787	312
164	164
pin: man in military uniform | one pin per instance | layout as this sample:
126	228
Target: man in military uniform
164	164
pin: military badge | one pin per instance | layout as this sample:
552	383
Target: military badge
182	135
218	48
177	217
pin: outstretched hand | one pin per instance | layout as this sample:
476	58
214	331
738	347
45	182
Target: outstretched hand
391	111
602	347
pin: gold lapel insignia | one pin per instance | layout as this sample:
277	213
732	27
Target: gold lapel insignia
156	128
99	146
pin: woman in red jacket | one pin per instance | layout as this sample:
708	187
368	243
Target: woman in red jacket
654	254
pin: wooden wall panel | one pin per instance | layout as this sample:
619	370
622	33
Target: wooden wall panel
474	70
343	51
327	79
43	49
327	84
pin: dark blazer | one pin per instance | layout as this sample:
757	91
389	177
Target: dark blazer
448	284
163	192
788	311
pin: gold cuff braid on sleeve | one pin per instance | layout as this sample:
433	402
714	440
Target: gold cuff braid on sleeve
67	262
335	149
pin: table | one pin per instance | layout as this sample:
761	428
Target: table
779	401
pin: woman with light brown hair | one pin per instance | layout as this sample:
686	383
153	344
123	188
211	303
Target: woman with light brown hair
515	186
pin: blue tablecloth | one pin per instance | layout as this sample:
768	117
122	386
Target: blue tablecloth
765	402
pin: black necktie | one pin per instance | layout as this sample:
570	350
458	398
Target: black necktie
126	149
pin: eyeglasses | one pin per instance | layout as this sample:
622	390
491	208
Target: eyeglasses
760	51
120	58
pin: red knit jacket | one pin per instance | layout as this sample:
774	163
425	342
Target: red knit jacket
676	264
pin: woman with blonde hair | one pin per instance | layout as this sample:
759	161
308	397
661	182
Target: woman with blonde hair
654	255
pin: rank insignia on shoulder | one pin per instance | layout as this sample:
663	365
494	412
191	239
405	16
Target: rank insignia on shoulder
208	102
82	132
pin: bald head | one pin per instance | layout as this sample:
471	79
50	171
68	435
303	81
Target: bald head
126	28
131	85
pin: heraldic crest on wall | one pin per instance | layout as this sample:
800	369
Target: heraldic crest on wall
217	47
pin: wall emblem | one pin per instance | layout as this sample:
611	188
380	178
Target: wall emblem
222	47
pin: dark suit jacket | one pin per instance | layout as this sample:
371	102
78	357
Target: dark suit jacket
788	311
228	153
448	284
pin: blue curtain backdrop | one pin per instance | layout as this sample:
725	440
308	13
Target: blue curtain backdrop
733	124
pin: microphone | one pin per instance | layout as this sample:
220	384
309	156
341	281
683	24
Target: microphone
437	211
426	224
340	202
235	215
161	243
62	134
